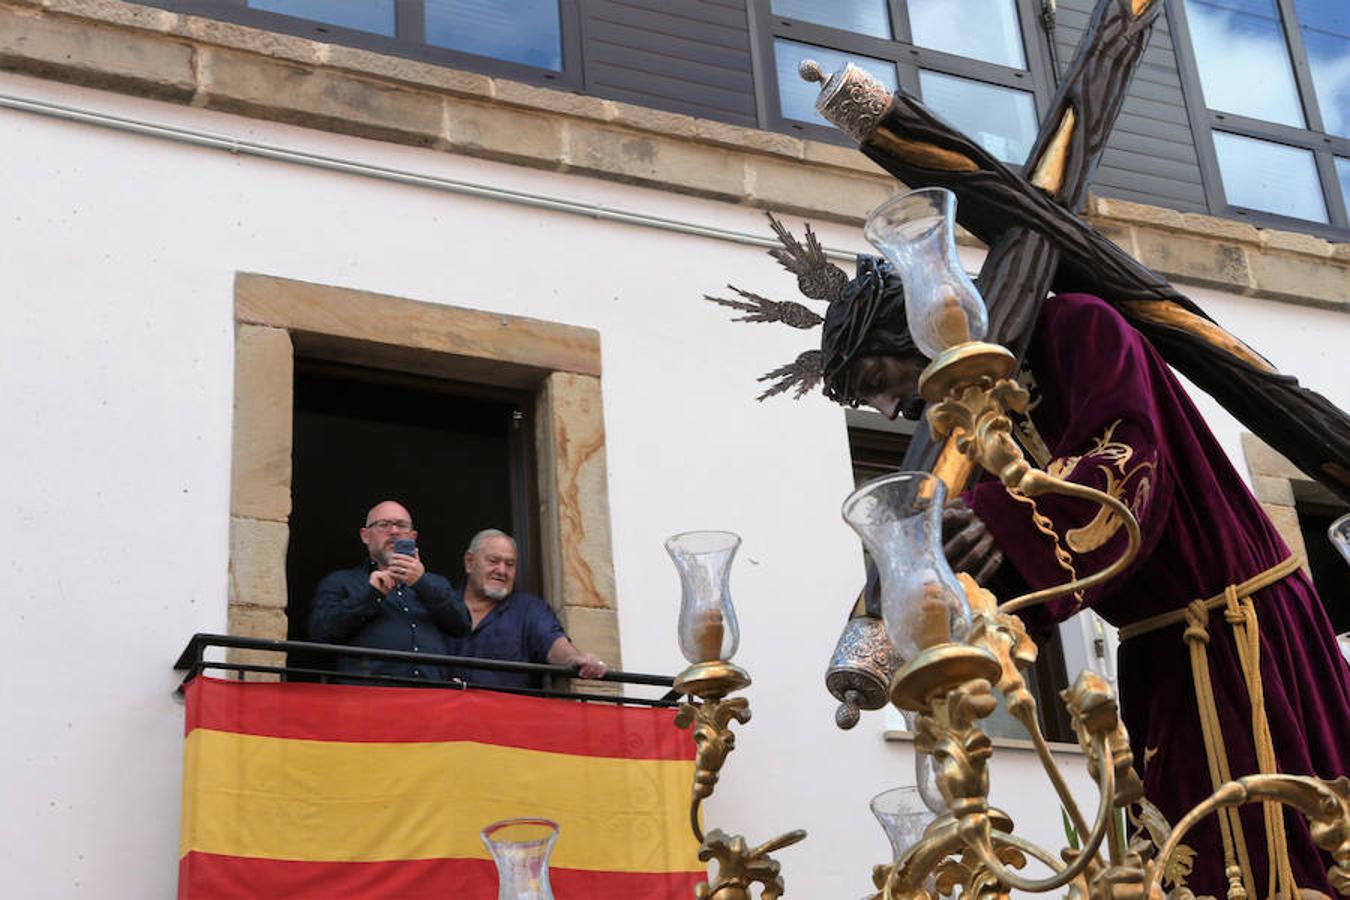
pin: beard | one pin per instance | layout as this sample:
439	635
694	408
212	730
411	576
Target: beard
495	591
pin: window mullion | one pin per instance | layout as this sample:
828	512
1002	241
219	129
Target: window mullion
908	74
1298	55
835	39
900	26
1197	110
410	22
571	32
767	100
1036	49
1331	189
1267	131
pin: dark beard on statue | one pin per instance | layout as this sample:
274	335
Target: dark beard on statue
867	320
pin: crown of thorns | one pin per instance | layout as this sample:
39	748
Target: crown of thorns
849	320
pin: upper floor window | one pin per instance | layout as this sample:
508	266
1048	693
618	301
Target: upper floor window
1273	109
531	39
980	64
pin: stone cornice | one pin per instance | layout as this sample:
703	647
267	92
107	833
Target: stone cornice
187	59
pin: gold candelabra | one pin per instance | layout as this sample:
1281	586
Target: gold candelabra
950	685
957	644
708	638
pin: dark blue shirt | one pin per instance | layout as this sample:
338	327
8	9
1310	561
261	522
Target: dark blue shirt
347	610
520	628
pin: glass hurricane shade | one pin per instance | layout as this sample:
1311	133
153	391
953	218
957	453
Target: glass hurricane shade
707	628
903	816
916	232
521	848
899	518
1339	532
925	766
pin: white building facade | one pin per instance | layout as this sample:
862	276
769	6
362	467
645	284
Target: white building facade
134	237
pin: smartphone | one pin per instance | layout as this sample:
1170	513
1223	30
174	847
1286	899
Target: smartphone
406	546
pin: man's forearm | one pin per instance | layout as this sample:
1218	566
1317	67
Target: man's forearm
564	653
588	665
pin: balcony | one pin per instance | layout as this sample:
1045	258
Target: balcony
295	785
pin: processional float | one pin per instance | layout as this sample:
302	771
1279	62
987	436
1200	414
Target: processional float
936	645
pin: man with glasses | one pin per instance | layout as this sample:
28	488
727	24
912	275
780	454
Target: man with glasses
389	602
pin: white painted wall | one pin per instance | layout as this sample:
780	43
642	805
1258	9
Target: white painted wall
117	259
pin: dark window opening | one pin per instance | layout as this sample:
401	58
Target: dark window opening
458	456
876	453
1330	573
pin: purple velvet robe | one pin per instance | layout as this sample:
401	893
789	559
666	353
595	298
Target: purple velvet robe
1113	416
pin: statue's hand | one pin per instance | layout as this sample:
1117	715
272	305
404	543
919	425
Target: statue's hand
968	543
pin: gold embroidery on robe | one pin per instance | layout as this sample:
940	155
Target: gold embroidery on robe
1120	478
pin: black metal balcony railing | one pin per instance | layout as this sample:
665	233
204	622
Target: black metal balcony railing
193	661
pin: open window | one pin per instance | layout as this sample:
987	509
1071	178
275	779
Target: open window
474	419
457	455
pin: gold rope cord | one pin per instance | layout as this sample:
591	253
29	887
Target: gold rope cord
1245	589
1230	826
1240	613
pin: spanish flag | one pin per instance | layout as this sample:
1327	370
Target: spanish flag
335	791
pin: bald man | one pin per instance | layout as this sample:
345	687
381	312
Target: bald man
389	602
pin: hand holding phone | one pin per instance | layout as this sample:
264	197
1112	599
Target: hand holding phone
408	571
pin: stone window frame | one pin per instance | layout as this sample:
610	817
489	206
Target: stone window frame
1279	487
277	319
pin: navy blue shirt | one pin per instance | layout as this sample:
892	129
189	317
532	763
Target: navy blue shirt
520	628
347	610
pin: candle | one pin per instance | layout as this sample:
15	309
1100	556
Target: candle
708	632
932	619
950	320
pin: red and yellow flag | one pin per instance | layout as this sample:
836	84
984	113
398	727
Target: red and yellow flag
333	791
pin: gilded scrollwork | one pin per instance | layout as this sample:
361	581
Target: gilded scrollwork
978	419
1027	432
739	866
712	736
1095	716
974	877
1326	804
1006	638
951	734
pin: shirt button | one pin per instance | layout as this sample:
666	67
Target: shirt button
414	648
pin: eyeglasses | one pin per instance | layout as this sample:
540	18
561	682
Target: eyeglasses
390	525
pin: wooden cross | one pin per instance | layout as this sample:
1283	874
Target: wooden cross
1037	242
